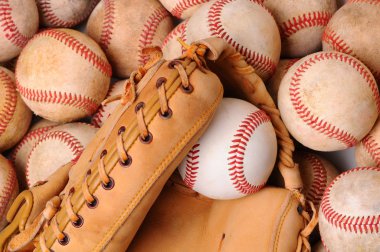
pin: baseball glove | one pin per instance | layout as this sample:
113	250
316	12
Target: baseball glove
165	109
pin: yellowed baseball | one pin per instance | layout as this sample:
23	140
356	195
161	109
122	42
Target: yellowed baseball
64	13
182	9
55	148
355	29
329	101
15	116
367	152
8	188
62	75
123	28
18	23
301	24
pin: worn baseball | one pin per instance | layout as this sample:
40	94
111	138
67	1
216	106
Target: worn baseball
316	173
171	48
57	147
367	152
328	101
64	13
273	84
355	29
182	9
105	110
301	24
74	83
15	116
8	189
219	19
18	23
349	216
123	28
236	154
21	151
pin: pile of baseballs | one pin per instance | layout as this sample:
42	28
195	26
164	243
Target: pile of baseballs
319	60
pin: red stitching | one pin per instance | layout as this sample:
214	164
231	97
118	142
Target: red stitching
97	118
319	183
237	150
356	224
9	27
54	20
372	148
108	22
78	47
192	166
306	20
179	31
8	190
290	63
183	5
321	125
333	39
149	31
10	101
260	62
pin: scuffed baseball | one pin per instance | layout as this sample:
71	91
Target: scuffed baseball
64	13
57	147
8	189
316	173
62	75
328	101
349	212
123	28
104	111
182	9
301	24
15	116
21	151
18	23
355	29
245	33
367	152
236	154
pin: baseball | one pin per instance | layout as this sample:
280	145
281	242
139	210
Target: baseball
15	116
171	48
218	19
62	75
104	111
316	173
55	148
328	101
301	24
235	156
123	28
8	189
182	9
21	151
18	23
64	13
367	152
355	29
349	213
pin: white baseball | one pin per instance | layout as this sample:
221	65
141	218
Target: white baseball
367	152
301	24
182	9
235	156
349	216
55	148
329	101
245	24
8	189
104	111
63	75
171	48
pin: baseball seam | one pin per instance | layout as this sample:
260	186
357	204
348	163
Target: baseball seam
7	191
10	101
183	5
65	137
99	115
318	124
306	20
372	148
349	223
108	23
192	166
149	31
9	27
237	150
319	182
179	31
259	61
